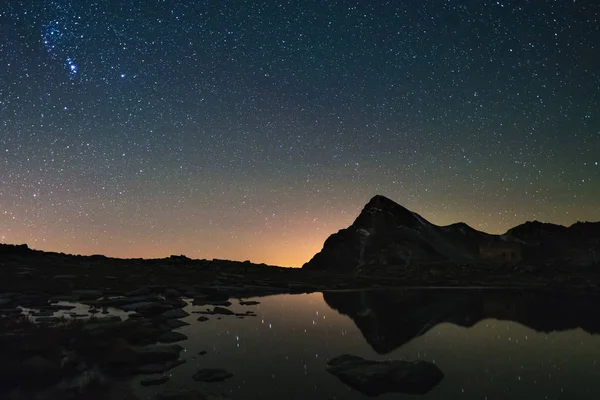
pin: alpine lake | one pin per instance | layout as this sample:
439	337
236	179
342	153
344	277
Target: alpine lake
489	343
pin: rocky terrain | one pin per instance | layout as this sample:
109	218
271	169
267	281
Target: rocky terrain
82	327
90	343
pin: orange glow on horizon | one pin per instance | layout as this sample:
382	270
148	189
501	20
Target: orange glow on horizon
287	240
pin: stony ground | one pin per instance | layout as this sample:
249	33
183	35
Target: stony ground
74	357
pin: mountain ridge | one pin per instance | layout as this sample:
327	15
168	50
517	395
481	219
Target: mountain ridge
386	233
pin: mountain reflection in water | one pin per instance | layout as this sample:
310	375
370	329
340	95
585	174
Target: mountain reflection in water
389	319
494	344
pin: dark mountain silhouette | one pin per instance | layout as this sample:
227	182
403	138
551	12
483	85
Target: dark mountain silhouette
387	234
389	319
578	244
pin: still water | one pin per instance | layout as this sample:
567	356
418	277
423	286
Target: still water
490	344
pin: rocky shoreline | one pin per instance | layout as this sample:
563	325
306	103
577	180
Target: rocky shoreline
83	327
89	354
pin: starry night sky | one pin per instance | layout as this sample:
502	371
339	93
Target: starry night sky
253	130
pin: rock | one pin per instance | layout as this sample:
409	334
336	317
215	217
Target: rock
139	292
171	337
211	375
181	395
38	364
95	324
185	394
63	297
82	381
88	294
203	318
31	301
142	306
172	293
176	303
42	313
10	312
147	308
373	378
157	353
119	301
222	311
246	314
70	360
152	381
120	359
63	307
159	368
249	303
209	302
175	323
41	370
177	313
106	320
48	320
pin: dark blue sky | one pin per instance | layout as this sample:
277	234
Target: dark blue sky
242	129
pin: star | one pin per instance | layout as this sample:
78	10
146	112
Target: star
254	131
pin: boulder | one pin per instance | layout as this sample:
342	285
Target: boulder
175	323
139	292
158	354
246	314
159	368
169	293
373	378
147	307
88	294
155	380
171	337
208	302
211	375
249	302
42	313
186	394
222	311
176	303
41	370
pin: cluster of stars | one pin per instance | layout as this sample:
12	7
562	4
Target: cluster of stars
252	130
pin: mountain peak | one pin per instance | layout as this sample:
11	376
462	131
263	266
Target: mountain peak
387	233
380	199
380	210
384	203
